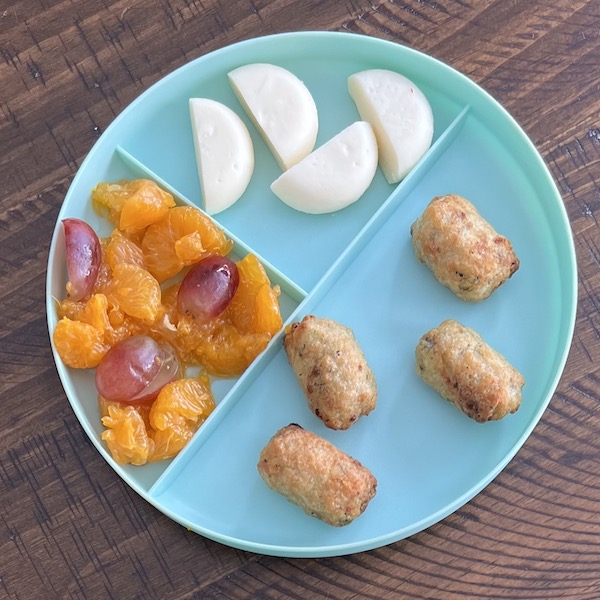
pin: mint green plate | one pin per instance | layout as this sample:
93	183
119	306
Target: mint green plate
356	266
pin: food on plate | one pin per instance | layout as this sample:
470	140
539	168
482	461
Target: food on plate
334	175
456	362
131	205
83	257
312	473
331	370
148	432
135	291
135	369
462	249
224	153
145	332
179	239
208	287
126	433
181	407
79	344
400	116
281	108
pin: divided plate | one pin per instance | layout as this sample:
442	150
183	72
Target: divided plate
356	266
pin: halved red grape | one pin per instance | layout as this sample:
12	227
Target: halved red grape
135	370
83	258
208	288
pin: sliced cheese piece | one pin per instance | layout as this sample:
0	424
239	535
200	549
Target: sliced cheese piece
334	175
281	108
224	153
400	115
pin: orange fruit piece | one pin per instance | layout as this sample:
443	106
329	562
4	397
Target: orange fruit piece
79	345
189	334
190	248
181	403
127	328
267	318
69	308
177	413
132	205
182	237
169	300
122	250
254	307
143	409
165	328
135	292
227	352
169	443
95	313
126	435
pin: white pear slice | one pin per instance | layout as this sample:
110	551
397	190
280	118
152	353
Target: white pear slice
334	175
224	153
400	115
281	108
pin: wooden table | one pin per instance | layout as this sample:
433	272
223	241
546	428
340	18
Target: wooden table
70	528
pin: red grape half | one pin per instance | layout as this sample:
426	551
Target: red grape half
135	370
83	258
208	287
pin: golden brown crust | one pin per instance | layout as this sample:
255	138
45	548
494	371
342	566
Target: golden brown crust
462	368
462	249
331	370
316	476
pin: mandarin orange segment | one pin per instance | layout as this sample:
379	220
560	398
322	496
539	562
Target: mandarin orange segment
108	200
166	327
142	409
169	301
78	344
69	308
190	334
123	250
126	435
132	205
196	233
147	204
122	326
189	249
135	292
267	318
129	327
181	403
103	405
227	352
254	307
168	443
116	316
95	313
181	407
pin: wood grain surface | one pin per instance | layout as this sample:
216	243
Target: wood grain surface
69	527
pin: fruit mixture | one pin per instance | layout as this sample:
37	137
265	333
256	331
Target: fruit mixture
151	303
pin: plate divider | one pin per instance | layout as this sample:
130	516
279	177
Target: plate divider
220	412
291	288
310	299
378	219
